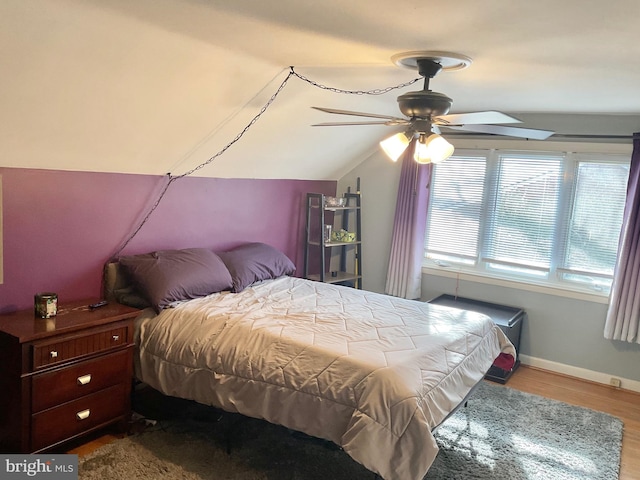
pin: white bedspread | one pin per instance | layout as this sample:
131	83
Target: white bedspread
370	372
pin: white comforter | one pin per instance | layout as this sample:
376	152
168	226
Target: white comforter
372	373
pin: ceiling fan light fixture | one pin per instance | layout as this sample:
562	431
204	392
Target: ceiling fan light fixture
438	148
421	153
395	145
432	149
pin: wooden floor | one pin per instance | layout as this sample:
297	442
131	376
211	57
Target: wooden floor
623	404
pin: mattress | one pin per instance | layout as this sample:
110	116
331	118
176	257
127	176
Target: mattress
372	373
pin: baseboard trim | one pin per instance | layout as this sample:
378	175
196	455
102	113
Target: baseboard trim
578	372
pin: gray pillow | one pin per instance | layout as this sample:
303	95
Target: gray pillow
252	262
129	296
167	276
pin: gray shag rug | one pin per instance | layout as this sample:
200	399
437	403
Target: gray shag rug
501	434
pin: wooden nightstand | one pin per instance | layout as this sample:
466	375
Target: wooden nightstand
64	376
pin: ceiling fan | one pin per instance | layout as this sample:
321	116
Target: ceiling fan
426	112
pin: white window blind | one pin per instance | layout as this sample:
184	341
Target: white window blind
523	205
591	242
456	205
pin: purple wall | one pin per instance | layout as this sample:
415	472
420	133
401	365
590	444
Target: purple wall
60	227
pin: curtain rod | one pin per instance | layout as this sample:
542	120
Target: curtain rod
552	137
592	136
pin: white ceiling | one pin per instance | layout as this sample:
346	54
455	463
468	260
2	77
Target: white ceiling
157	86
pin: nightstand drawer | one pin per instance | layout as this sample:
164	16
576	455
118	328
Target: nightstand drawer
73	418
51	353
60	386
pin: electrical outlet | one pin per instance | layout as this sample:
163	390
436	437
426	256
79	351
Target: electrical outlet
616	382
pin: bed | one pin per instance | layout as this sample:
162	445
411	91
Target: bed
372	373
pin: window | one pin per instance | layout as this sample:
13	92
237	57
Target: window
456	205
539	217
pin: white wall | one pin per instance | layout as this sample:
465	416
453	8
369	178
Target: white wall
151	87
565	334
378	184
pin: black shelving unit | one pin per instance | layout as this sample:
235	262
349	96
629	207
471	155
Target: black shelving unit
319	250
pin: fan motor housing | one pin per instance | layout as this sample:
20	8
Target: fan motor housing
424	104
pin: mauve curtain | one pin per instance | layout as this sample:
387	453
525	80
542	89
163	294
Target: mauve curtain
623	315
404	276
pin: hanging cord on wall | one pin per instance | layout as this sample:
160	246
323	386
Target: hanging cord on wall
292	72
242	132
173	178
144	219
376	91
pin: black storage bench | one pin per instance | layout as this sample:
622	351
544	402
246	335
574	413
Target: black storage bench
509	319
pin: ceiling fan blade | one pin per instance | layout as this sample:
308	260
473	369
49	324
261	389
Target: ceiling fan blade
529	133
474	118
357	114
380	122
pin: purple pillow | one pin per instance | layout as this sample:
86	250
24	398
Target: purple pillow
166	276
253	262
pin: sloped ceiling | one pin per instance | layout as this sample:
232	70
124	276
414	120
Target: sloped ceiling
158	86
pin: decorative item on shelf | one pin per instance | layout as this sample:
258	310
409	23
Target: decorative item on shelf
335	201
327	233
343	236
45	304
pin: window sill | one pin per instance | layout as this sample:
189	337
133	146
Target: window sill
557	290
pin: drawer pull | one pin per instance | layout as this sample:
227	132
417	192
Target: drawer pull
84	414
84	379
116	338
53	354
